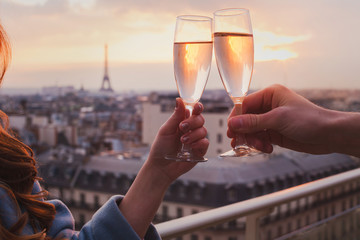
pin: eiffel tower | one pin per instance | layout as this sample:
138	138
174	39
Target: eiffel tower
106	86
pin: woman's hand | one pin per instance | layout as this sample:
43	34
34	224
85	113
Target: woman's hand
141	202
177	130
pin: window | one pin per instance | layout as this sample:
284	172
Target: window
232	195
194	237
269	235
343	205
165	212
221	122
194	211
68	173
343	227
61	190
281	184
288	209
326	210
289	181
125	184
307	203
351	202
99	181
181	191
197	193
53	171
289	227
179	212
319	214
82	199
85	179
219	138
298	204
299	179
280	232
299	223
113	182
307	220
333	209
168	193
81	219
352	224
232	224
269	187
96	202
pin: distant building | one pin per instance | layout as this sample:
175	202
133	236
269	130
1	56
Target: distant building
53	135
39	121
154	115
58	91
18	122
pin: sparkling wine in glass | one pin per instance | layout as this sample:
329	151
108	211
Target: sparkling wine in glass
193	47
234	52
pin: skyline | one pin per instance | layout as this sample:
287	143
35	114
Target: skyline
61	42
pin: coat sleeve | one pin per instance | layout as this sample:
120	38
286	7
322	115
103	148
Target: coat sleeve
107	223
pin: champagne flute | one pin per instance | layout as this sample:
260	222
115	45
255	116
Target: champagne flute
234	52
193	46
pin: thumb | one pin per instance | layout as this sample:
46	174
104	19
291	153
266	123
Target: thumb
172	124
250	123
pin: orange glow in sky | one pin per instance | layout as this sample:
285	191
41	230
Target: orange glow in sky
270	46
63	41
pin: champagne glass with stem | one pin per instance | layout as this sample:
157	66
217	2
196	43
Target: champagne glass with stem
193	46
234	53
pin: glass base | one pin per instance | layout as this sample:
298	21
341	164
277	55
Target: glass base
185	157
242	151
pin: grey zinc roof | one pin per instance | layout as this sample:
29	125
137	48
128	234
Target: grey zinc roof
317	163
104	164
247	170
244	170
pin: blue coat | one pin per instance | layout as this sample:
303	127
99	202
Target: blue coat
107	223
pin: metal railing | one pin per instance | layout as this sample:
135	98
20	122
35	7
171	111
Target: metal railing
252	209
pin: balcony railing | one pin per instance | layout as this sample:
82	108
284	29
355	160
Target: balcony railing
252	209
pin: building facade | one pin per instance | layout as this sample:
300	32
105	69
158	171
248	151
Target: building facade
86	185
154	115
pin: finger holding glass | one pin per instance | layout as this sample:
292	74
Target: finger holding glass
234	52
193	46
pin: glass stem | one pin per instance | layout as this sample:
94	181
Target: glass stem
240	139
186	148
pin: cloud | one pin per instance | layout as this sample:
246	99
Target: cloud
28	2
271	46
79	5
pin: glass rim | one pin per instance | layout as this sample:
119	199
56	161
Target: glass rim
195	18
227	12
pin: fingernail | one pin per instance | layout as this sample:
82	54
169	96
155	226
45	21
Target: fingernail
184	139
199	107
184	127
236	123
177	105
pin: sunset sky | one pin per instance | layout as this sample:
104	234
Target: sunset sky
301	44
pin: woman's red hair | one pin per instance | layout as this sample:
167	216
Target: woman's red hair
18	173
